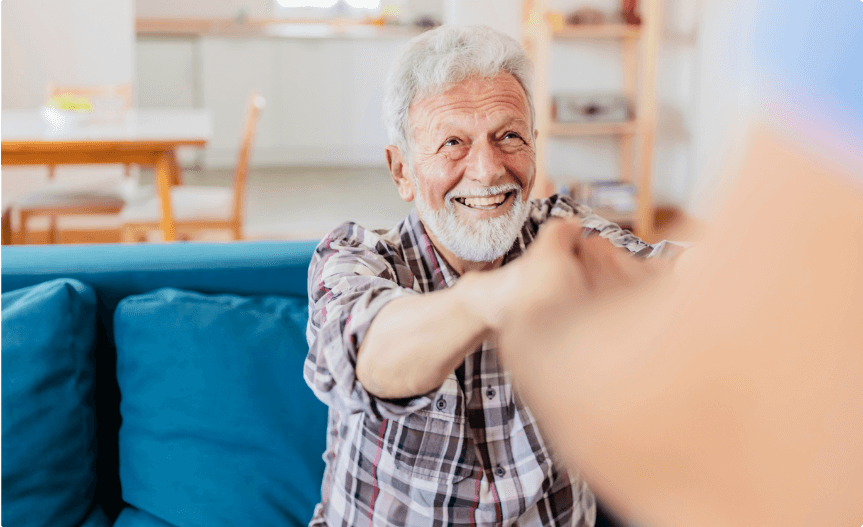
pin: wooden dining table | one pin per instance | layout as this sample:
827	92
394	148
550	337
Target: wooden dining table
148	137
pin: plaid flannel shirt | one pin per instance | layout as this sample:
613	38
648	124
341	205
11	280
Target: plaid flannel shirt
469	453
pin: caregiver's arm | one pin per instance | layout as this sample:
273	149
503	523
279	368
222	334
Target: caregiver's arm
726	395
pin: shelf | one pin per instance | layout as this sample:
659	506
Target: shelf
270	28
598	32
569	129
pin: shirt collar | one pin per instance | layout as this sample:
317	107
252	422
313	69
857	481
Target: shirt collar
444	275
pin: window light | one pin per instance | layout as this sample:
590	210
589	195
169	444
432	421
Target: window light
364	4
307	3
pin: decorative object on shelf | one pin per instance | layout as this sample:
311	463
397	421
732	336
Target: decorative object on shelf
628	12
586	15
590	108
426	22
614	200
242	17
556	20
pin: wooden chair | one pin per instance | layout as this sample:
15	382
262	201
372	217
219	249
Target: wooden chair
82	198
198	208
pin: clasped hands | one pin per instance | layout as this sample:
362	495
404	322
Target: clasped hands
567	268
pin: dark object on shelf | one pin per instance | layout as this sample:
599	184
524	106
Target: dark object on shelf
426	22
586	15
590	108
628	12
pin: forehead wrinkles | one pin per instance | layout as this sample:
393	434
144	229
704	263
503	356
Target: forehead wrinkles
479	99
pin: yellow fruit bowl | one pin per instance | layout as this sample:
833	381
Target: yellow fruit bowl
65	111
70	102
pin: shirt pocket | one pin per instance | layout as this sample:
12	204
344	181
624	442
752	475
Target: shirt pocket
434	444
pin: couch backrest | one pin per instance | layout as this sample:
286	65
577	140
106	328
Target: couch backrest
116	271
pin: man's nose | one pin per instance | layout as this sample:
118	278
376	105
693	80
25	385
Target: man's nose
485	164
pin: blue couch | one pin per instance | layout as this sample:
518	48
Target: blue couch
158	385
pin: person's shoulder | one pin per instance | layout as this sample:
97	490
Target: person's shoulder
351	244
350	236
353	250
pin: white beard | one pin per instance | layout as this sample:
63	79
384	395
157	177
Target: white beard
479	241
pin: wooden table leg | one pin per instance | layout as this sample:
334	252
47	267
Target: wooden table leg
166	170
177	178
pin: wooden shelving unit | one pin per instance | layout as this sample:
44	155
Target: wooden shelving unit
640	44
570	129
598	32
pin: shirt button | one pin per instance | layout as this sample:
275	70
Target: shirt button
490	393
441	404
500	471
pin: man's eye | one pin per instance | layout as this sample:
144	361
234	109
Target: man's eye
511	135
451	142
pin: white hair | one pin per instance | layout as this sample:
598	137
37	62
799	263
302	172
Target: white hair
441	58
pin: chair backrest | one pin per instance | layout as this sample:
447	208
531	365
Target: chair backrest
253	110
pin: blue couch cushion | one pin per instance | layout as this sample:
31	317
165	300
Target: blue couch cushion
219	427
48	452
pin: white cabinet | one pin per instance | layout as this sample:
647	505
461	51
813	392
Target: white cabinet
231	69
167	73
324	95
167	76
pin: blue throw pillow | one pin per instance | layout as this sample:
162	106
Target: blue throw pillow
49	332
219	427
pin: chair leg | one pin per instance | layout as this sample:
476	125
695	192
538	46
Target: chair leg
6	229
127	234
52	230
237	231
25	217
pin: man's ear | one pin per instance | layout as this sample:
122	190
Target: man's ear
400	172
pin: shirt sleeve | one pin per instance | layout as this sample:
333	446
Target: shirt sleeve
350	280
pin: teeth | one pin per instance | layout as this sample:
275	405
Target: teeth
485	201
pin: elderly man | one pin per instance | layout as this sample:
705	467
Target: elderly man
425	428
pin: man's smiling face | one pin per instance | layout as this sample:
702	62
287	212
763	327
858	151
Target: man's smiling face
474	165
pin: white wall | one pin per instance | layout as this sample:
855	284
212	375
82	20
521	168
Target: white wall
81	42
203	8
257	8
720	97
505	15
